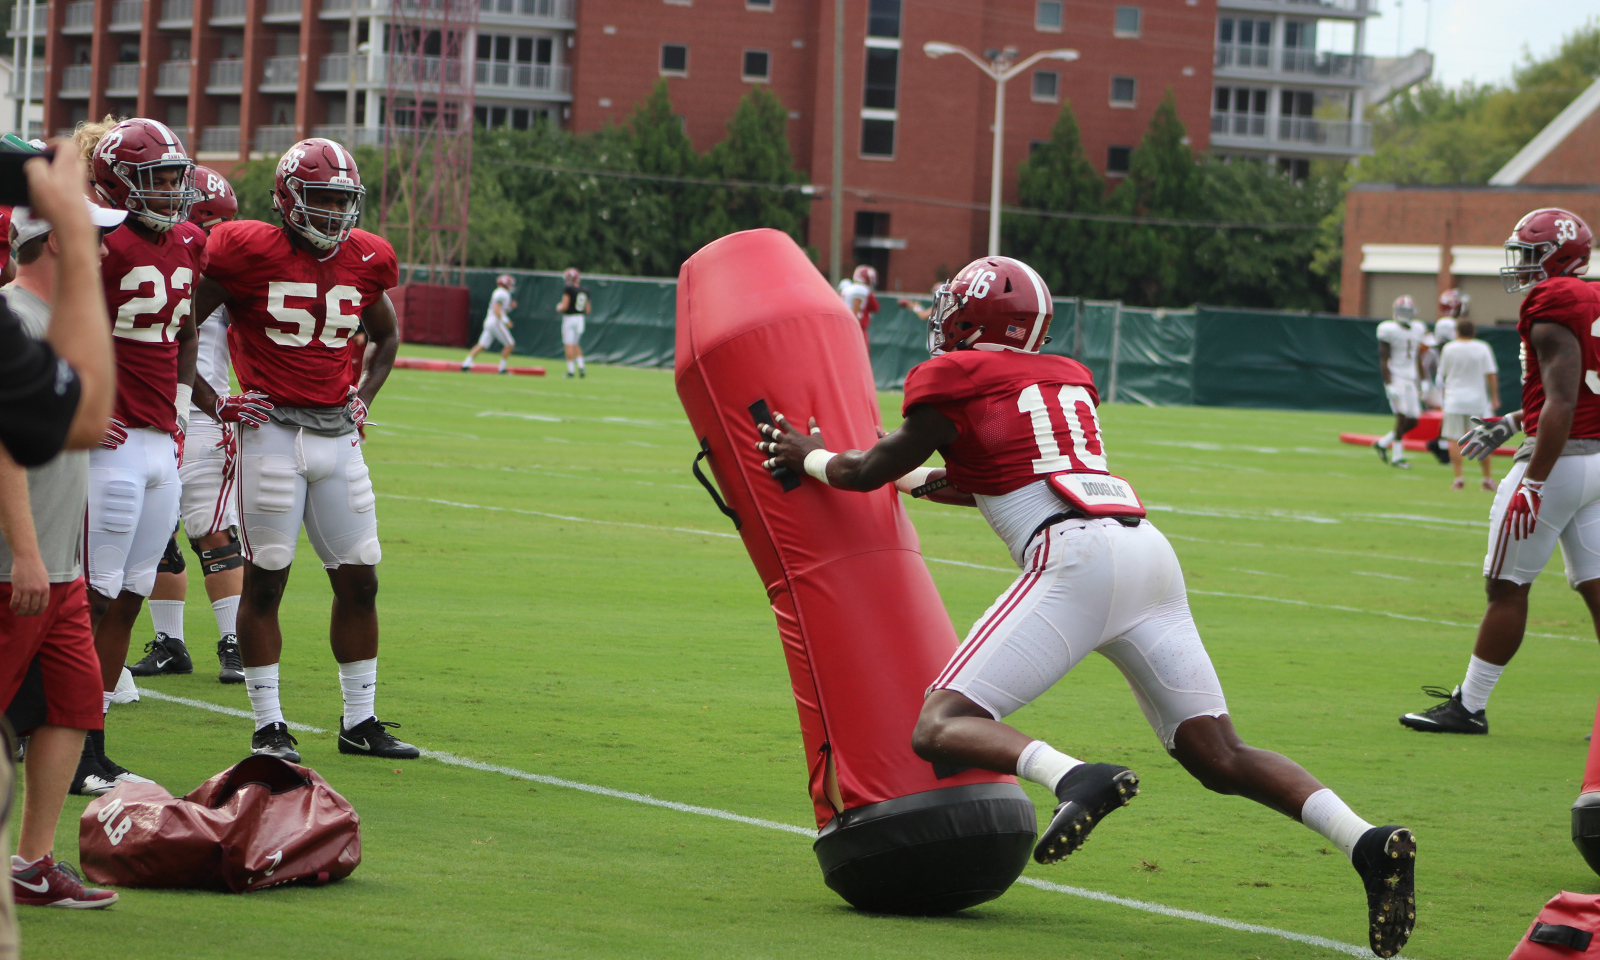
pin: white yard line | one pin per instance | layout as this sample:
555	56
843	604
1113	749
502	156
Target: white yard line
644	798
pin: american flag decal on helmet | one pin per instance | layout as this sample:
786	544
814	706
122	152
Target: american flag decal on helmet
1015	332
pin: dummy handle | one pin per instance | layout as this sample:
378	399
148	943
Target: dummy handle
1560	934
760	413
727	511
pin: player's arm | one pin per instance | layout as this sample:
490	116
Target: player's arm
209	294
188	353
566	303
924	431
383	342
1561	369
1383	360
30	581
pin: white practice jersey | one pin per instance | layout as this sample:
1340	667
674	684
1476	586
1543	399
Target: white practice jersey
1405	342
502	297
855	296
211	363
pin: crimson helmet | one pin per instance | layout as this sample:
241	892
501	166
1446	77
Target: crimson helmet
123	168
1405	309
865	274
569	276
1549	242
504	280
994	303
217	201
327	168
1450	304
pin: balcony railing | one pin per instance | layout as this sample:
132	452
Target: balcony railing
123	79
177	11
37	91
182	133
227	11
127	14
335	68
538	9
1244	55
226	75
283	9
275	140
172	77
75	79
1324	64
281	72
1239	125
1338	134
338	133
219	140
41	18
459	9
523	76
79	16
1346	6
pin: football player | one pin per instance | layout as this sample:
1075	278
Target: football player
496	324
295	293
148	276
1400	361
1552	493
1021	440
575	303
206	474
858	295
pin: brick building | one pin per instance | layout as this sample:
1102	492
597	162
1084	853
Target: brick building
1423	240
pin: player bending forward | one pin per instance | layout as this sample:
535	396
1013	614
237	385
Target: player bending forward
1021	441
295	293
496	324
1552	492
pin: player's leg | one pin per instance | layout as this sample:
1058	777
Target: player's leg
211	519
1049	619
167	653
485	338
505	351
223	564
1453	426
342	525
1408	410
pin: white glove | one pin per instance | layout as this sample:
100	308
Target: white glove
181	403
1486	436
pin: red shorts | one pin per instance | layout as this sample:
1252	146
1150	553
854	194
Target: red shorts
61	639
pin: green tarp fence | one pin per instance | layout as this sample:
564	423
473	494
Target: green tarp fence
1209	356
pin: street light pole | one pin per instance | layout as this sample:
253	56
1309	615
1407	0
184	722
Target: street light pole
999	68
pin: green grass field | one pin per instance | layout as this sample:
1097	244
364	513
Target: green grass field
636	652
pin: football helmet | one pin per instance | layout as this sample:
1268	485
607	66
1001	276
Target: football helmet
1549	242
569	276
1454	304
216	202
994	303
1405	309
126	164
504	280
326	169
867	275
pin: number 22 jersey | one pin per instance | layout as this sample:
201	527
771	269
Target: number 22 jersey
149	287
292	314
1574	304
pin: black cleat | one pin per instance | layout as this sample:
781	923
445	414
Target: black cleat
164	654
581	374
91	779
1087	794
1448	717
113	771
1386	858
569	376
371	737
1383	454
228	657
275	740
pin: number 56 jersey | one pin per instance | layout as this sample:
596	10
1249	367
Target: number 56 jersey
1019	416
292	314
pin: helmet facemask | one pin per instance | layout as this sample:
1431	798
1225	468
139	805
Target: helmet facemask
1524	264
946	302
335	222
146	194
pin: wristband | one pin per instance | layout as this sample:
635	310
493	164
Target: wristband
913	480
817	464
182	399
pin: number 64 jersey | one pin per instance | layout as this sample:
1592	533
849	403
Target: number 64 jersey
292	314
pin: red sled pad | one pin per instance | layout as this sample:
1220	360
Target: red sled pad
864	631
449	366
1567	927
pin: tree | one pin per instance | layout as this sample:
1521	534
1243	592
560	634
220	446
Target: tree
1059	178
1162	181
756	151
1258	267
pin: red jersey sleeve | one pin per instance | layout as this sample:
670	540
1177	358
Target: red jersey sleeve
940	380
222	260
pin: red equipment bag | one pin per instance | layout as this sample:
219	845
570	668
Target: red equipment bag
260	823
863	628
1567	927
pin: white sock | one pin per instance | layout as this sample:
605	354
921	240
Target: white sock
168	617
1044	764
105	701
1387	440
359	683
227	612
261	683
466	364
502	364
17	863
571	367
1479	683
1325	813
580	363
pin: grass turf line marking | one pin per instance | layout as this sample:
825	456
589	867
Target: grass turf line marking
644	798
1376	613
1345	553
562	516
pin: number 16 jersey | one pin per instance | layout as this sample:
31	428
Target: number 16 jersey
292	315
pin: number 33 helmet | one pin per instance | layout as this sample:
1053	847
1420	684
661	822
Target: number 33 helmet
994	303
313	174
1546	243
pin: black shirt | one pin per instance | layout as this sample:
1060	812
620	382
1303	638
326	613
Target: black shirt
577	300
38	394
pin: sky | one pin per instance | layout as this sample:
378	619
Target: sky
1478	40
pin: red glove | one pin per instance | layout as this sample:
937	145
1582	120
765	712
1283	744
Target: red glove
249	409
1523	511
229	445
116	434
177	440
357	408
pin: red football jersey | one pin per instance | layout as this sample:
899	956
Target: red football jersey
1575	304
1018	416
292	315
148	287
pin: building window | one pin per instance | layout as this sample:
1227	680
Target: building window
1297	169
883	69
1127	24
1244	43
1239	112
758	5
873	226
675	59
1118	160
1124	91
1047	16
1296	103
1046	86
877	137
883	19
757	66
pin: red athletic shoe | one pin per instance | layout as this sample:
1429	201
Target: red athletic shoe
53	883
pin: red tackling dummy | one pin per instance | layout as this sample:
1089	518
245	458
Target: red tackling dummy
863	627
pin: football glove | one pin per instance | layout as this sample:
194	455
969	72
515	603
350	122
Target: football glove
1486	435
248	409
1523	511
116	434
357	408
